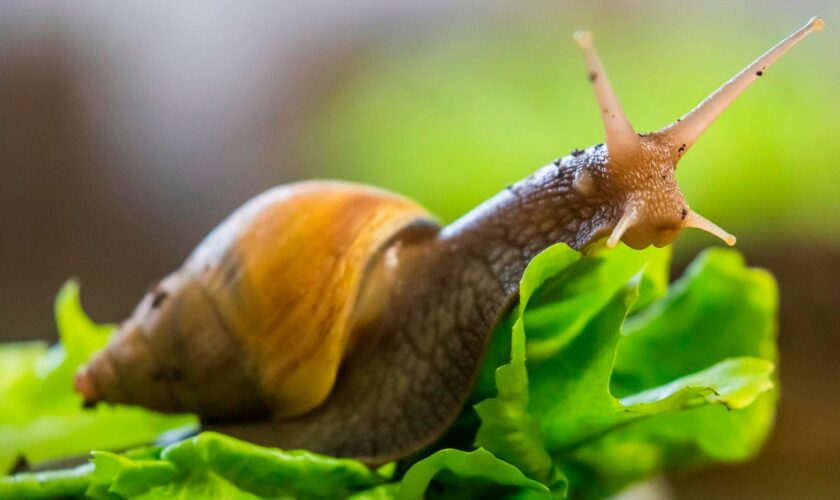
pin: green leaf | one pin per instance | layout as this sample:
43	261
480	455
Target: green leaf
584	399
478	465
574	295
216	466
382	492
655	276
507	427
50	484
734	383
719	310
551	413
270	472
116	475
209	465
42	418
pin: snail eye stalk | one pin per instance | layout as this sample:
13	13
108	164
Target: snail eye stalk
684	132
622	141
624	145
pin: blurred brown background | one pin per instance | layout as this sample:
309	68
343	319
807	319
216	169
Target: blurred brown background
128	130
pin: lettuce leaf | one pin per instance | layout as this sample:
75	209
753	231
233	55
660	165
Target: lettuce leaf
507	428
209	465
719	310
599	391
602	376
464	467
212	465
49	484
41	418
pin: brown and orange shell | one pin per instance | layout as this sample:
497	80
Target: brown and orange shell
282	276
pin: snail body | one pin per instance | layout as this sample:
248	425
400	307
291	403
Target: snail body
345	320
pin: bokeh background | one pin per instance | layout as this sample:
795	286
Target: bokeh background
129	129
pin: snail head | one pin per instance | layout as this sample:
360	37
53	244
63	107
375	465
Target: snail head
637	170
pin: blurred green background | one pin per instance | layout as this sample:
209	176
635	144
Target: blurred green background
128	131
453	117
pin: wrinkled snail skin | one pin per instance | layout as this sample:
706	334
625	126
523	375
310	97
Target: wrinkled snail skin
343	319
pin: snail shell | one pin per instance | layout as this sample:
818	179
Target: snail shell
269	299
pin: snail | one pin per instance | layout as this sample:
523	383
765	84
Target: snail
346	320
